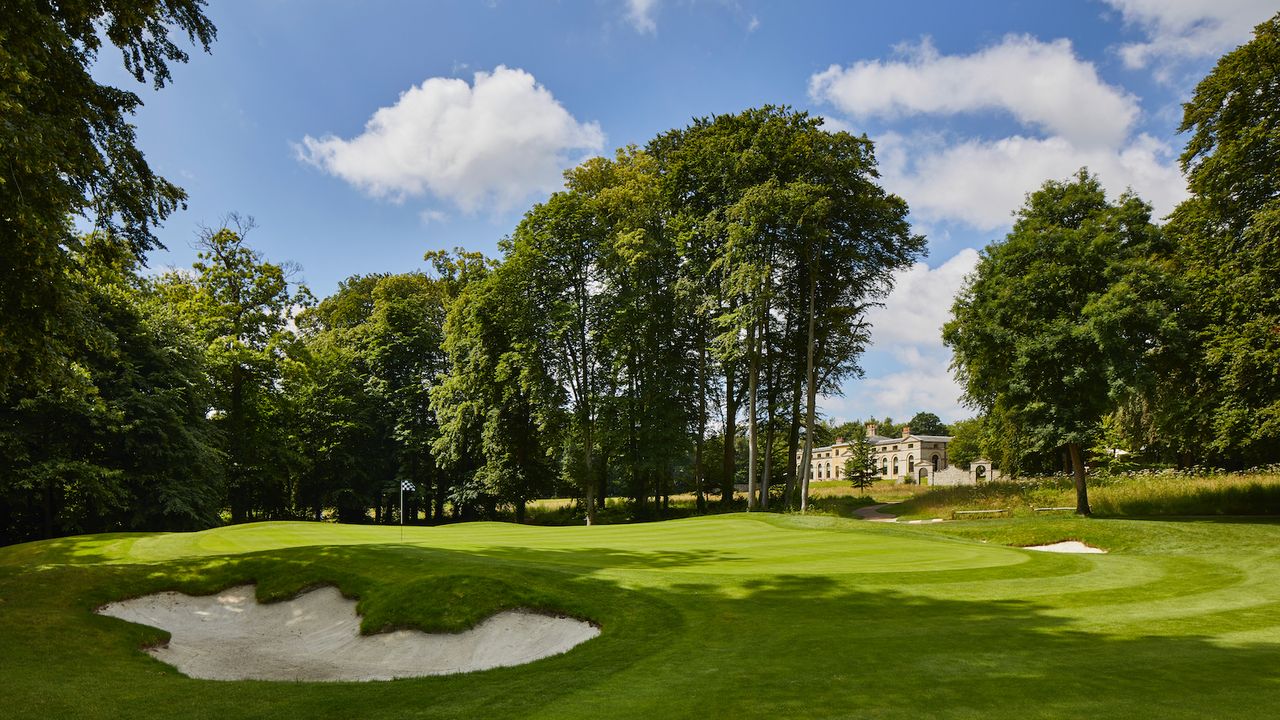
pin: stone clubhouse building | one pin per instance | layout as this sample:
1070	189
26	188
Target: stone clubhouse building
910	456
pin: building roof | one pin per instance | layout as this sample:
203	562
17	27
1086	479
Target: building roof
882	440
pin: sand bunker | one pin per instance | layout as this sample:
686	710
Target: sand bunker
1067	546
316	636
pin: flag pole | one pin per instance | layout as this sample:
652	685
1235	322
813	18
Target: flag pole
401	511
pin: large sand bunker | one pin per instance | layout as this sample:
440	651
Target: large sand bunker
316	636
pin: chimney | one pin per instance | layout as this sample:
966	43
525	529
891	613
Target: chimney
906	430
871	429
839	441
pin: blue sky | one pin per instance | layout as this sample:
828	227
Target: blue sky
362	134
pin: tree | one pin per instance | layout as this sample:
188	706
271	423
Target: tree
1228	252
122	442
860	467
926	423
240	306
553	269
1047	334
68	151
966	442
490	401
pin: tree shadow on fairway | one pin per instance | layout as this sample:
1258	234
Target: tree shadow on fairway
832	651
767	646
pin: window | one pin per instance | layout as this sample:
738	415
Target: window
911	464
935	462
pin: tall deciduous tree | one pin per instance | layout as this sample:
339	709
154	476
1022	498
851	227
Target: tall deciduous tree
68	150
241	306
1228	236
1044	336
121	442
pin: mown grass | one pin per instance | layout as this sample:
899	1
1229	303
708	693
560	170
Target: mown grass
1131	495
734	616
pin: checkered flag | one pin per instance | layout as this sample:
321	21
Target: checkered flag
406	486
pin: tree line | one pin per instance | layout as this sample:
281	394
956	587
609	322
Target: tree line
672	306
709	284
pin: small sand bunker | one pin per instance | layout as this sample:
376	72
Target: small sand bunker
1067	546
316	636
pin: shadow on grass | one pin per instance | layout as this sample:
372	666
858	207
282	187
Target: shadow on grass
776	646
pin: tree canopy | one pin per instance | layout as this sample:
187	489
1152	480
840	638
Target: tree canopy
1046	332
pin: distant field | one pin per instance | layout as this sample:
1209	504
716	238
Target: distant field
733	616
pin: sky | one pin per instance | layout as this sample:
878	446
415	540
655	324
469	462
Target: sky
360	134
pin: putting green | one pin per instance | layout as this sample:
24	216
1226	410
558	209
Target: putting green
726	616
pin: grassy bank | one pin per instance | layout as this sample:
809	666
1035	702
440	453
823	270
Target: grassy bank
1143	494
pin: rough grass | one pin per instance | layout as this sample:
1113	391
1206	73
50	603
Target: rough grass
1132	495
732	616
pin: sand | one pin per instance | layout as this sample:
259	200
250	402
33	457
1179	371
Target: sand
316	636
1067	546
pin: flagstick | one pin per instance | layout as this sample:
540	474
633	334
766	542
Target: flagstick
402	511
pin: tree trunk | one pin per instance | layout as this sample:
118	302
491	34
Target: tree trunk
47	508
699	472
1082	491
769	400
793	444
753	372
811	396
729	462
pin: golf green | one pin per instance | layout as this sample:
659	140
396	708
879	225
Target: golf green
724	616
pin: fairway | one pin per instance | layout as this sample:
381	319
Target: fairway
723	616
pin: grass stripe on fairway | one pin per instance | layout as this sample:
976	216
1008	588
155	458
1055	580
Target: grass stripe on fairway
729	616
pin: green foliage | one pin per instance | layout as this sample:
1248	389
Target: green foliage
124	445
240	306
926	423
1052	332
860	467
1229	255
68	150
966	442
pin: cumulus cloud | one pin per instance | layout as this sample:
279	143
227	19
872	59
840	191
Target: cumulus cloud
920	302
982	183
1189	29
907	331
1040	84
495	141
923	382
640	15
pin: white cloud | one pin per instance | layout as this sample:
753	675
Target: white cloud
497	141
1040	84
982	183
920	302
924	383
1188	29
429	216
908	329
640	15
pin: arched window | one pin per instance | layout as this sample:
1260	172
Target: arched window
935	462
895	465
911	464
